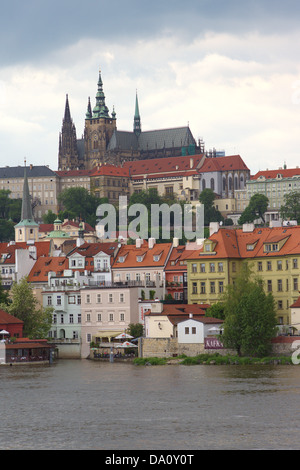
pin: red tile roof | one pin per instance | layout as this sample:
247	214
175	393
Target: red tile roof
43	249
130	253
6	318
172	166
111	170
272	174
230	243
231	162
45	264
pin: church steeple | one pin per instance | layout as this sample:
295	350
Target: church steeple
27	228
26	212
137	120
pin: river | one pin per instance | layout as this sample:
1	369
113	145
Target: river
87	405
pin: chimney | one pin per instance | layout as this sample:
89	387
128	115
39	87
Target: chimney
248	227
138	243
191	315
175	242
213	228
191	162
151	243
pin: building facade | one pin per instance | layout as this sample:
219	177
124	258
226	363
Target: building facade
273	252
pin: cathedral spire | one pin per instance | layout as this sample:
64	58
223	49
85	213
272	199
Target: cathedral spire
137	120
67	117
100	110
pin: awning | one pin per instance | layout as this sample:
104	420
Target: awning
108	334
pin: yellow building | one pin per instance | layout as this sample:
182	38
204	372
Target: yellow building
273	253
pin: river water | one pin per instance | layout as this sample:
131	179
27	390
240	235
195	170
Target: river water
87	405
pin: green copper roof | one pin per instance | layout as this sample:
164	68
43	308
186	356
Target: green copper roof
100	110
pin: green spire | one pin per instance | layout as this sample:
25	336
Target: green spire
100	110
137	120
89	110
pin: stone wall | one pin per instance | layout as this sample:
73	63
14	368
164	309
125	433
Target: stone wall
169	347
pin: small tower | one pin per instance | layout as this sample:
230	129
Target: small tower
137	119
27	229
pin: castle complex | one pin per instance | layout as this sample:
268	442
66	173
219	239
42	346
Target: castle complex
103	143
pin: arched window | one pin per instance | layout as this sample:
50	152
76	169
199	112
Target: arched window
203	185
212	184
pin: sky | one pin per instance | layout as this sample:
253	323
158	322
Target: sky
229	69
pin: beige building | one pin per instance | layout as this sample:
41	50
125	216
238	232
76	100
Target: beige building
43	186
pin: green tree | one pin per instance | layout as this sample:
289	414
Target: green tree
256	209
4	296
135	329
250	317
7	231
216	310
211	214
79	203
49	217
291	207
37	320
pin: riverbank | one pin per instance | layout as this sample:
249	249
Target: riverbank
215	359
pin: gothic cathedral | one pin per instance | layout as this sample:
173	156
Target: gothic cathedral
102	143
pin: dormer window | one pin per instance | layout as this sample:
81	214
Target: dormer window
156	257
139	259
121	259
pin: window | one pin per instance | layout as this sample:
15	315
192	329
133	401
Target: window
194	268
220	267
49	300
202	267
88	299
269	286
122	298
99	316
79	318
194	290
61	318
88	317
111	317
279	285
279	265
79	299
122	316
269	265
212	287
202	287
212	267
295	283
279	304
259	266
71	318
110	298
233	267
193	330
58	300
71	299
295	263
98	298
186	330
221	287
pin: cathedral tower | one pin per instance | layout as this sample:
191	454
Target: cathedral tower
27	229
99	128
68	153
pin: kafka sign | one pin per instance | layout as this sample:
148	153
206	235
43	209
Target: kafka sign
212	343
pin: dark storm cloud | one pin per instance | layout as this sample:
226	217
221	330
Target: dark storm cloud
30	29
